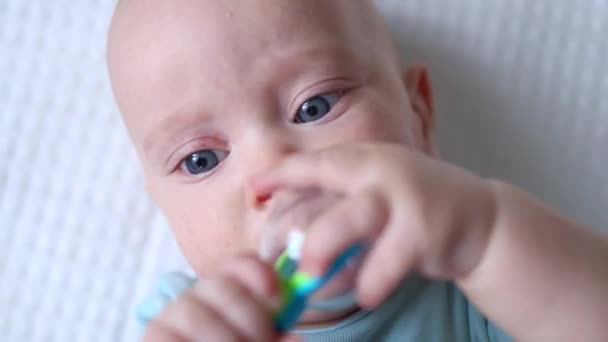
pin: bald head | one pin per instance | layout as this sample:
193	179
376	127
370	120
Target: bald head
157	44
214	92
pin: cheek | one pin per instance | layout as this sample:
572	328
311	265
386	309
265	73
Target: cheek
378	123
204	242
206	226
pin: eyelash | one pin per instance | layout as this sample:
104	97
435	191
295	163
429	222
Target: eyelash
219	155
197	146
331	100
180	169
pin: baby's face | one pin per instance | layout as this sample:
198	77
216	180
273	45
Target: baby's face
216	92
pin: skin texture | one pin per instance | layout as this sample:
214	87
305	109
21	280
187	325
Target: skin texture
187	64
229	76
229	96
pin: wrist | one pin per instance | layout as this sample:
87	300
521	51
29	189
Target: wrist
479	231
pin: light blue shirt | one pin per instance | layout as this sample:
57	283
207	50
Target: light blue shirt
420	310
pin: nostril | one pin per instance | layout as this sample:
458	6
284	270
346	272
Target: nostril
261	200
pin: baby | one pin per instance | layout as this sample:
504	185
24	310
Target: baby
236	108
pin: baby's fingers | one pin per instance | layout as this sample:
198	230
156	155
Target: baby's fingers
392	257
250	316
189	319
256	276
354	220
236	305
324	169
158	332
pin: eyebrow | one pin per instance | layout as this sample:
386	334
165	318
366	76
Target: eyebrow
171	131
174	129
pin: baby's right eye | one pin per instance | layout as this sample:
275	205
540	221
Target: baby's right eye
202	161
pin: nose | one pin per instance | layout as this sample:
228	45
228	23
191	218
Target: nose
266	149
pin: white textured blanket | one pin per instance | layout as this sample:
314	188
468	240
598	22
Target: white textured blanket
522	91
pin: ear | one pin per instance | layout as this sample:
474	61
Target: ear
418	86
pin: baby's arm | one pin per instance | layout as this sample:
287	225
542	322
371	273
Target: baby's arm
542	277
537	275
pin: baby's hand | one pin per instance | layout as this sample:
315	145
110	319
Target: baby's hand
423	215
236	305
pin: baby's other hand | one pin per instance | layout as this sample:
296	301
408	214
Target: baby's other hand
236	305
421	214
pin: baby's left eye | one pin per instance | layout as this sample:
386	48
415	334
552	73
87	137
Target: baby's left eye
316	108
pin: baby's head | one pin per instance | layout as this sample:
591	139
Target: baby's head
216	92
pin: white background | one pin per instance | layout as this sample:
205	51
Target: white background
522	92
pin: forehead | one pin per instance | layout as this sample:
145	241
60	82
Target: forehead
166	51
166	34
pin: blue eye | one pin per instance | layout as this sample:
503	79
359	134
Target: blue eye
315	108
203	161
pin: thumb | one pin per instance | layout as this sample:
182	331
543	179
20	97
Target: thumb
326	169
